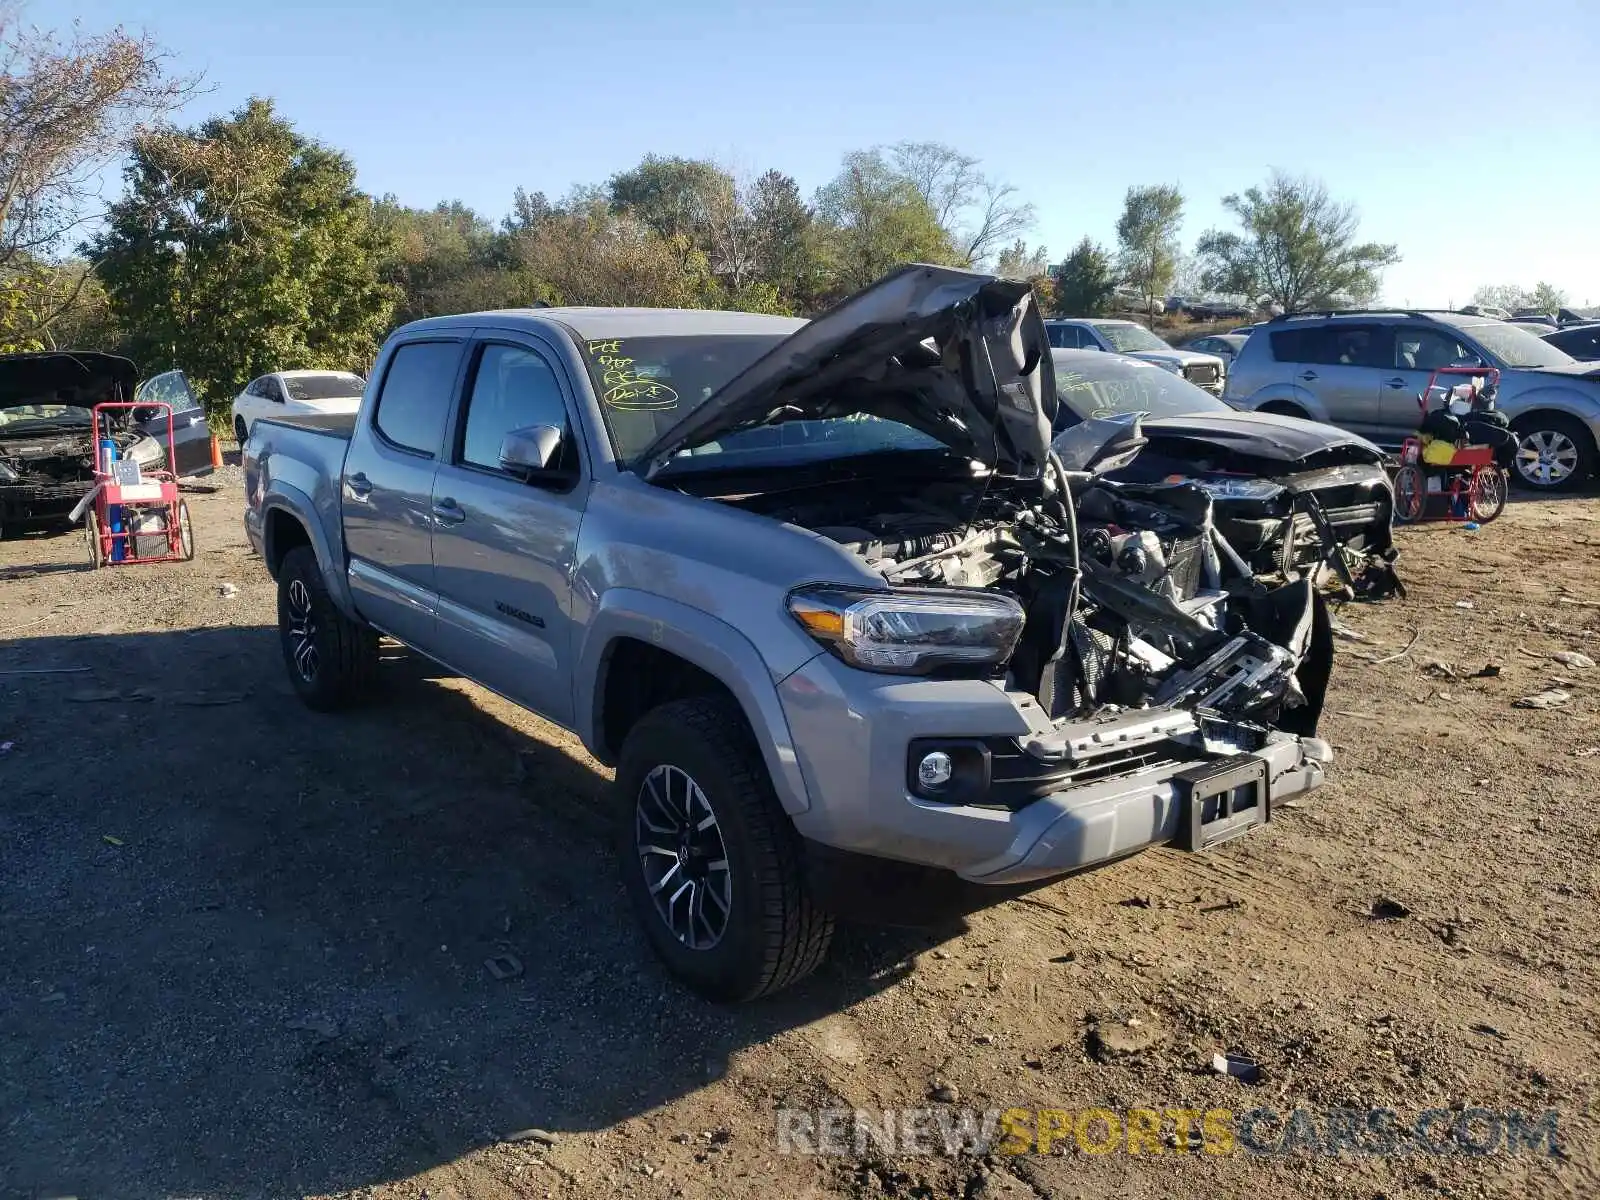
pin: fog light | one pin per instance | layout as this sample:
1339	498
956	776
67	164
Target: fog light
934	770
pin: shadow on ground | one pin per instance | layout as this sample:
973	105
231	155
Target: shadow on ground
245	944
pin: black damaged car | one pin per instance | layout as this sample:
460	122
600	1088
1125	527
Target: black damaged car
1284	491
46	428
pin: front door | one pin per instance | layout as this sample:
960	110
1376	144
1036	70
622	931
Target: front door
386	494
504	547
190	433
1418	350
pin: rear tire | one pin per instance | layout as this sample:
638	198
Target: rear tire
330	658
1555	453
756	929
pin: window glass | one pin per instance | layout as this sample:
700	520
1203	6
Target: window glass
1064	337
1128	338
416	395
513	389
1334	346
1427	350
332	386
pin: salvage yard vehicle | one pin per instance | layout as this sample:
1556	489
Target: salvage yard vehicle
1362	370
1131	338
1289	493
47	441
814	589
295	393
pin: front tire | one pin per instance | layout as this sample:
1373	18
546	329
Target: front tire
240	432
330	658
1554	452
709	858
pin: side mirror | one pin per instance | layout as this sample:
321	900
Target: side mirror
534	453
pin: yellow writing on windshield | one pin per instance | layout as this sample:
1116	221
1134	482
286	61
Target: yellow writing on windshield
621	384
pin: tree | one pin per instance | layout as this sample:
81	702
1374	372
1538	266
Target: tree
1297	248
978	214
787	242
66	109
1147	233
1545	297
877	221
1020	261
448	259
242	247
1084	282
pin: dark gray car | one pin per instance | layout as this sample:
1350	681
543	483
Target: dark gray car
1365	371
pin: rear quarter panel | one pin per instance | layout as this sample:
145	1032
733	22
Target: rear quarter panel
293	466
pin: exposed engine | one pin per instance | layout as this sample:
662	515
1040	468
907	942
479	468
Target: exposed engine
54	459
1132	597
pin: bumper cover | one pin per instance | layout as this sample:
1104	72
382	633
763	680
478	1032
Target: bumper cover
853	732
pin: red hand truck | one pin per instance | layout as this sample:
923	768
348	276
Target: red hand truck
133	515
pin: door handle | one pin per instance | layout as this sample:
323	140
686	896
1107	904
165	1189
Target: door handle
1397	384
448	512
1308	376
360	486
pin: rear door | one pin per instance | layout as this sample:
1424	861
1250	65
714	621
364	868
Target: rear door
1339	365
190	433
386	495
504	546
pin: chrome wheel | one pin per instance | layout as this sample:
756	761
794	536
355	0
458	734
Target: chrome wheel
302	631
683	858
1547	457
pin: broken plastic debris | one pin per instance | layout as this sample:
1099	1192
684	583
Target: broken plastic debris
1549	698
228	589
1571	658
1241	1068
1464	604
503	966
112	841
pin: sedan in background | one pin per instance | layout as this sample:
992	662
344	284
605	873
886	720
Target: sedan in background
1580	341
296	393
1223	345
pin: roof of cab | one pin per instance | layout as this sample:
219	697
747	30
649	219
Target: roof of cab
593	324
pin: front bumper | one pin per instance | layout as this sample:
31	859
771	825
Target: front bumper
853	734
31	502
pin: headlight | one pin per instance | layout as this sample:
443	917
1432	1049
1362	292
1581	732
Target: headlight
1234	489
910	633
7	475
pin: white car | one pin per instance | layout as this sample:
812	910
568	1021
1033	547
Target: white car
296	393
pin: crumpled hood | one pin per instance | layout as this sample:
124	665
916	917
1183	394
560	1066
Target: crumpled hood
987	388
87	376
1262	435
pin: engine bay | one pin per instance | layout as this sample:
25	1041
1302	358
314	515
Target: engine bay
1132	598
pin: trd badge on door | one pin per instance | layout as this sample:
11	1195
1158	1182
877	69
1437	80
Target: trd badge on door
502	606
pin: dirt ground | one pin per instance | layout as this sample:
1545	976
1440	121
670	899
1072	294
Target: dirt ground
242	946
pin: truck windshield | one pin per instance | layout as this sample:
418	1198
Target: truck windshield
646	385
1102	385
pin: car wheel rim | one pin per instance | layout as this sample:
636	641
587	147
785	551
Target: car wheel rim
1547	457
302	631
683	858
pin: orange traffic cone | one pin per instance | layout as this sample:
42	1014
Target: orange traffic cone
216	451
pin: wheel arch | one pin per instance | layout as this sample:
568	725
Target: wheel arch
642	650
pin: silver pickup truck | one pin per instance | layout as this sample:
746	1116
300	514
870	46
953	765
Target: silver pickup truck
814	589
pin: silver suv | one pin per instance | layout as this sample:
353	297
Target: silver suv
1364	371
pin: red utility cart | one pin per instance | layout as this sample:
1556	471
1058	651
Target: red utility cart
132	515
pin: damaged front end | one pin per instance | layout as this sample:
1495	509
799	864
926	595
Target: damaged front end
1157	689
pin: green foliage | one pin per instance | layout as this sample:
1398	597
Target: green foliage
1545	297
1084	282
1147	233
1296	247
877	220
242	247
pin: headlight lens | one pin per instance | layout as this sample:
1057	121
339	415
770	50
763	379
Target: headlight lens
1239	489
7	475
910	633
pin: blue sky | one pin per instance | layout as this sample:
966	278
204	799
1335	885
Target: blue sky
1466	131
